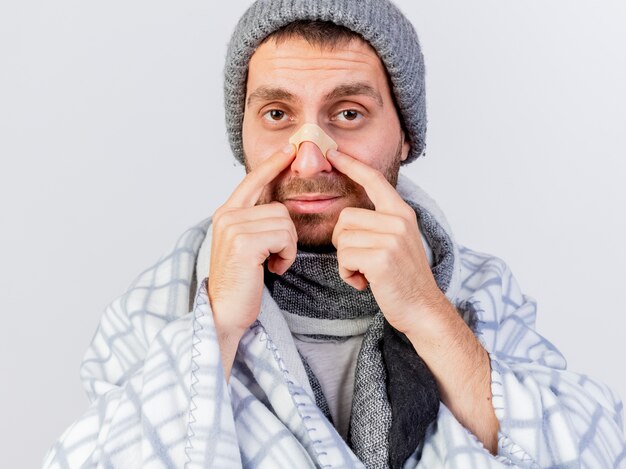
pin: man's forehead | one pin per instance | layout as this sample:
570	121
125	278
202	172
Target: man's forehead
300	54
278	71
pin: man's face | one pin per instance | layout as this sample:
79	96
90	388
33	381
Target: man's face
345	92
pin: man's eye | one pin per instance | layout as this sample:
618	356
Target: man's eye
275	115
349	115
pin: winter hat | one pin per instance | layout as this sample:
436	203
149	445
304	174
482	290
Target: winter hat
379	22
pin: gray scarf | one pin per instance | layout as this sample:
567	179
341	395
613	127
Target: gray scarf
395	395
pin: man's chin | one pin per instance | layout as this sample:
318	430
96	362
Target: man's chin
315	231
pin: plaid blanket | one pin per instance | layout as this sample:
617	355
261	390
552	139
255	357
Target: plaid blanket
159	399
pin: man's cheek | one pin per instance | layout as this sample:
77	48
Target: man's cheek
257	146
262	143
363	146
374	157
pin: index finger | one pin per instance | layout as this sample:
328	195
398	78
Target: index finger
247	193
382	194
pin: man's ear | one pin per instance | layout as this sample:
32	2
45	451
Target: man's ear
406	147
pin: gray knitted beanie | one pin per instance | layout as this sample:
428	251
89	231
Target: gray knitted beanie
379	22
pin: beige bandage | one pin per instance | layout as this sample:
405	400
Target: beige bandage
313	133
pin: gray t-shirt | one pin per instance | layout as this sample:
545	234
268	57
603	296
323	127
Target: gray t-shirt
333	363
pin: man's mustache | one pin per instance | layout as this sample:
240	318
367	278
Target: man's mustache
337	186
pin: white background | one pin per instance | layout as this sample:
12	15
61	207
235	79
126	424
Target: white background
112	143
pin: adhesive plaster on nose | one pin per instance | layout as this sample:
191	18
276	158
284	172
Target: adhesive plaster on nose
313	133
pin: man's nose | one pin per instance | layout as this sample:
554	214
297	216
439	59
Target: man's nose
309	161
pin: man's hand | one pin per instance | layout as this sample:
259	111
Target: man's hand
244	236
384	247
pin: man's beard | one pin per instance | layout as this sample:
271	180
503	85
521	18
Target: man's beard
315	229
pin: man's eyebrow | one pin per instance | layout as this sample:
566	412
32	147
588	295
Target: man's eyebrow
268	93
354	89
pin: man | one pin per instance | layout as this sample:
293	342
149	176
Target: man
324	316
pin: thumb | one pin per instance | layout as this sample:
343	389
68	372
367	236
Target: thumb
278	265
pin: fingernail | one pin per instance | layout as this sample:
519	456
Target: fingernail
288	150
332	153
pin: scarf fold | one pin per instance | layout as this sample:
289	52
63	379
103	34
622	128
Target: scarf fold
395	395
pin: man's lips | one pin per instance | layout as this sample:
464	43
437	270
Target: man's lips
313	197
311	203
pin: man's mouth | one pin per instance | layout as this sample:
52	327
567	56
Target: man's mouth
311	203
